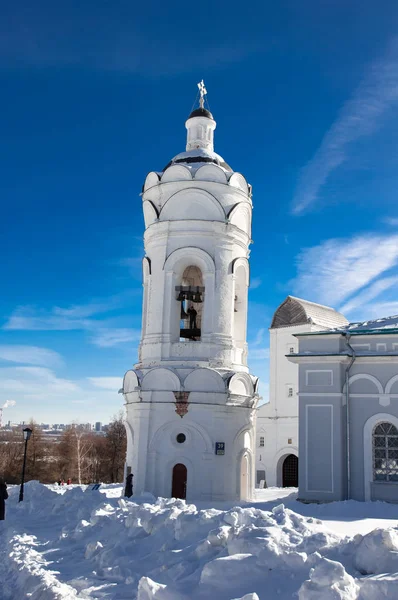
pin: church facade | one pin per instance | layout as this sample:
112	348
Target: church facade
348	412
190	399
277	421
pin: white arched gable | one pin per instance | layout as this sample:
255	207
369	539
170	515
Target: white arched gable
240	216
182	258
237	180
366	384
244	436
241	262
368	447
150	212
204	380
130	382
151	179
390	384
241	384
161	380
192	204
176	173
211	173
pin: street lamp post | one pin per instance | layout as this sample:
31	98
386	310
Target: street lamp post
27	432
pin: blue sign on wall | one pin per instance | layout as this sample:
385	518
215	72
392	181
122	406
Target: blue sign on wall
220	448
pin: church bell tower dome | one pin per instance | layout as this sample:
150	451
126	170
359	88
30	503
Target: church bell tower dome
200	127
192	382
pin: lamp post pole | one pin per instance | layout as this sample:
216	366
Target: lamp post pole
27	432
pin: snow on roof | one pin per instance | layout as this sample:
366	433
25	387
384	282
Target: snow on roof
295	311
197	158
384	324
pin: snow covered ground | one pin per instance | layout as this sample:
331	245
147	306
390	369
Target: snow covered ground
73	542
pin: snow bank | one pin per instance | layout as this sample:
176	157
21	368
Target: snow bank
329	581
377	552
79	543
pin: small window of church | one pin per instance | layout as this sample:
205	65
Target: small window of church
290	392
385	452
261	442
291	349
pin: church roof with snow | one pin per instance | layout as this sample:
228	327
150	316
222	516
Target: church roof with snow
193	159
295	311
383	325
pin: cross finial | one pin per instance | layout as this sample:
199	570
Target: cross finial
203	92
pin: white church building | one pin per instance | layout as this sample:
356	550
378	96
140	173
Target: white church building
190	399
277	421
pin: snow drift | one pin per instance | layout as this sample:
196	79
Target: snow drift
67	543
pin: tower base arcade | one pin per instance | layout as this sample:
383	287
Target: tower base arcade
191	435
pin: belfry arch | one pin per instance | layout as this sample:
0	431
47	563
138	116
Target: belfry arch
190	295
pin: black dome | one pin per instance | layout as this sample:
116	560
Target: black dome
200	112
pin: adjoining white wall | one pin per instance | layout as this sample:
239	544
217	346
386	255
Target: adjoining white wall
277	421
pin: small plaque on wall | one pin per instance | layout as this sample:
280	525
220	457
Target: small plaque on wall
220	448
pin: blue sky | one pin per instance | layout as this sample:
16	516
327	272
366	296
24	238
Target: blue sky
95	95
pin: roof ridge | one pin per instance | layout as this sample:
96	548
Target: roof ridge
314	303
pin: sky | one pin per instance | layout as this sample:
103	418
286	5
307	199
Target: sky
94	95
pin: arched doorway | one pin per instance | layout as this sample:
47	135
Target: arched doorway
244	478
179	481
290	471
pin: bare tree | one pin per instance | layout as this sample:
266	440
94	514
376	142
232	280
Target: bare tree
74	454
116	444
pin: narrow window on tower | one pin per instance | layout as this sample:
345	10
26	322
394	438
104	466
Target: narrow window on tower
262	442
190	295
240	309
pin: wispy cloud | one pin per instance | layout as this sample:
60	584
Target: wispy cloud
393	221
94	317
109	337
338	268
107	383
259	337
29	318
362	299
381	309
361	116
34	382
31	355
79	316
41	394
258	353
255	283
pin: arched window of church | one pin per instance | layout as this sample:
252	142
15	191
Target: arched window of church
385	452
262	442
191	294
240	307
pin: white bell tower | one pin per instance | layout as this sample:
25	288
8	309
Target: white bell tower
190	400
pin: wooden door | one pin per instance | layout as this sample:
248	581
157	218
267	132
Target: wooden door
290	471
179	482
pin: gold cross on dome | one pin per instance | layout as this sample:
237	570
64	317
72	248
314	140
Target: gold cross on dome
203	92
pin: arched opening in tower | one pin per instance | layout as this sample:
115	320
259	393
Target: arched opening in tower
191	297
240	307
